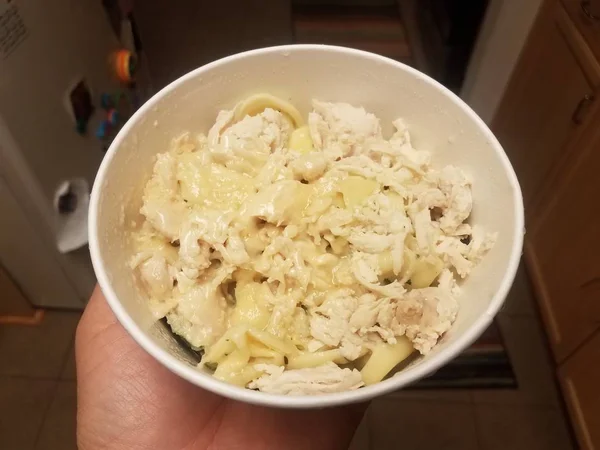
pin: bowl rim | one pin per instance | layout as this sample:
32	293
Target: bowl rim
396	382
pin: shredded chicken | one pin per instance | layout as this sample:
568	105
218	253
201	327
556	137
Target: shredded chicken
324	379
268	241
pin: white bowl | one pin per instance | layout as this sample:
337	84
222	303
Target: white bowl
438	121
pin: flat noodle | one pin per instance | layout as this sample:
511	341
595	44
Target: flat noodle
384	358
316	359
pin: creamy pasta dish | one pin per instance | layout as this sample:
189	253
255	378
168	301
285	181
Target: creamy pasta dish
304	255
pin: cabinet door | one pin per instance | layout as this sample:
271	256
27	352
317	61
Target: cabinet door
564	251
579	377
545	104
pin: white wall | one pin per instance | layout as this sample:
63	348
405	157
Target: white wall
501	39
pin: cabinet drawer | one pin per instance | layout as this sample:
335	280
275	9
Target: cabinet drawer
586	16
579	377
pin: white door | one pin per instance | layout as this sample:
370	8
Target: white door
29	260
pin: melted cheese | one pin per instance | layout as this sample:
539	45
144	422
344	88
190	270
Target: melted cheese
211	185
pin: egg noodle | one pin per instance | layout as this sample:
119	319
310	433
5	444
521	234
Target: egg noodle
304	257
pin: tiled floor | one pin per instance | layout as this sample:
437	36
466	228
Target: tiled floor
38	394
37	384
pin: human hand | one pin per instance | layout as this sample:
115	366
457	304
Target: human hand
127	400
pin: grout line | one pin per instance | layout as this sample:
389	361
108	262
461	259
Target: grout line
545	406
531	315
426	399
478	438
28	377
66	359
45	415
369	423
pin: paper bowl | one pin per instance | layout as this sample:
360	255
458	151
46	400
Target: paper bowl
438	121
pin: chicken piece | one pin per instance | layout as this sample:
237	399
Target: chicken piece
365	268
340	130
309	167
161	206
234	251
212	225
245	146
155	275
263	133
371	242
335	220
299	330
271	203
282	318
400	142
324	379
194	253
359	165
481	243
447	283
457	188
274	170
382	215
424	315
283	258
374	315
425	231
329	323
365	315
200	316
454	252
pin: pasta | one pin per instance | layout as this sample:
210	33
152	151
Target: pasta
304	255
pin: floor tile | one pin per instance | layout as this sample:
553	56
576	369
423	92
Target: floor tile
532	365
421	425
14	302
23	405
361	440
58	430
38	351
69	371
433	395
521	298
521	428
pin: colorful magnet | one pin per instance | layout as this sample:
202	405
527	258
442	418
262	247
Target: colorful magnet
124	65
113	117
106	101
102	130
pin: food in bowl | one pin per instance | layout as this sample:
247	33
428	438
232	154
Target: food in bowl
304	258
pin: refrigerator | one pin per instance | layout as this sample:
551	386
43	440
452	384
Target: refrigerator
58	89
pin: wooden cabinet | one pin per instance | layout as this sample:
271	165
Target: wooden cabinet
579	379
549	125
546	103
564	251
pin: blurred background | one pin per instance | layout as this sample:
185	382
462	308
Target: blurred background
73	71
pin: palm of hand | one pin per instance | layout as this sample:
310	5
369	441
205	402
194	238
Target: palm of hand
127	400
